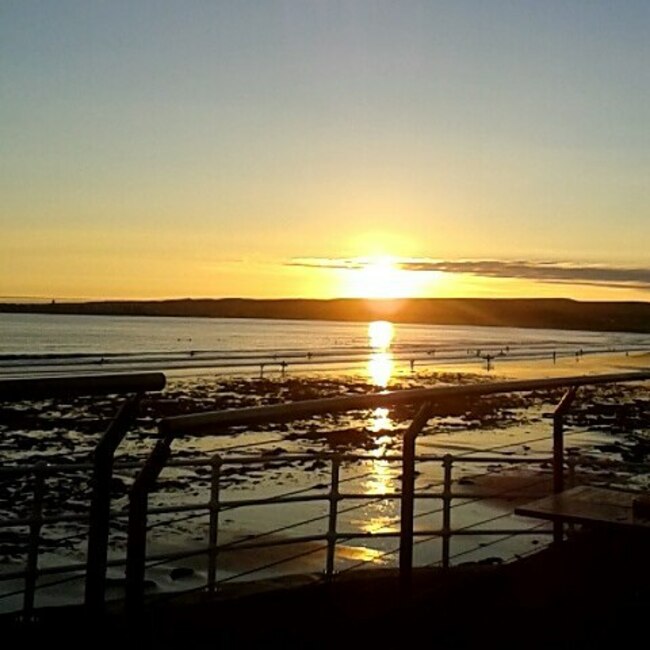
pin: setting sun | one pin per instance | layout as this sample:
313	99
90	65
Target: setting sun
382	277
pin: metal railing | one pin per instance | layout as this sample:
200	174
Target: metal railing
133	386
139	513
330	536
212	423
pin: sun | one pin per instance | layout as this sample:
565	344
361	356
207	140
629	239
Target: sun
381	277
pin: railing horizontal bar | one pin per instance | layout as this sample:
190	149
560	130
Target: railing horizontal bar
381	534
438	532
45	468
51	519
354	496
45	571
376	496
460	458
269	458
198	462
234	546
74	386
238	503
199	423
494	531
264	458
484	495
283	541
234	503
491	459
188	507
62	468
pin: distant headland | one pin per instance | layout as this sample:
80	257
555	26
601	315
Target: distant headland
555	313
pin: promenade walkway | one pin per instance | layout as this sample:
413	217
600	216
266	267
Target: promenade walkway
590	591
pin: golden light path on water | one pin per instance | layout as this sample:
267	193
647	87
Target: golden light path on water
380	364
380	516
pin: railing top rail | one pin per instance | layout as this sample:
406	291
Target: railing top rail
77	385
200	422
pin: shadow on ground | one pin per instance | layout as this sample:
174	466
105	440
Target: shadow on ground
589	592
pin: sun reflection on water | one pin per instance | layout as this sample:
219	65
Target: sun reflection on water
380	516
380	364
380	368
380	333
380	421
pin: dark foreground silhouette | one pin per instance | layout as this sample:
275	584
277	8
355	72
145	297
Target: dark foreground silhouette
590	592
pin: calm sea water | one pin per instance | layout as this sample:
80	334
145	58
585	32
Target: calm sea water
52	344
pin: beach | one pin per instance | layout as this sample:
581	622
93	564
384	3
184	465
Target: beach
607	435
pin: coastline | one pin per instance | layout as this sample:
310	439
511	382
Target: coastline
539	313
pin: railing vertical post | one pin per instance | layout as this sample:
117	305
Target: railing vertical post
136	552
333	516
214	524
408	493
571	462
99	522
34	540
136	546
447	463
558	453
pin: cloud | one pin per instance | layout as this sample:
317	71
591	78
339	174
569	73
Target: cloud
328	263
548	272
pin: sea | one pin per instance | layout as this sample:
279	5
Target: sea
53	344
484	442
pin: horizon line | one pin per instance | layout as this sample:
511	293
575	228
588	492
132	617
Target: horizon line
4	300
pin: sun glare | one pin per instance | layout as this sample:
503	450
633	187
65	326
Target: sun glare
382	277
380	334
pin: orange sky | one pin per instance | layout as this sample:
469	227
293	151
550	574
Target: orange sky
164	149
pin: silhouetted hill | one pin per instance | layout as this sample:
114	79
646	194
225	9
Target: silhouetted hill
536	312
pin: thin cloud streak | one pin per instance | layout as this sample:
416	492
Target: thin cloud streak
328	263
548	272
